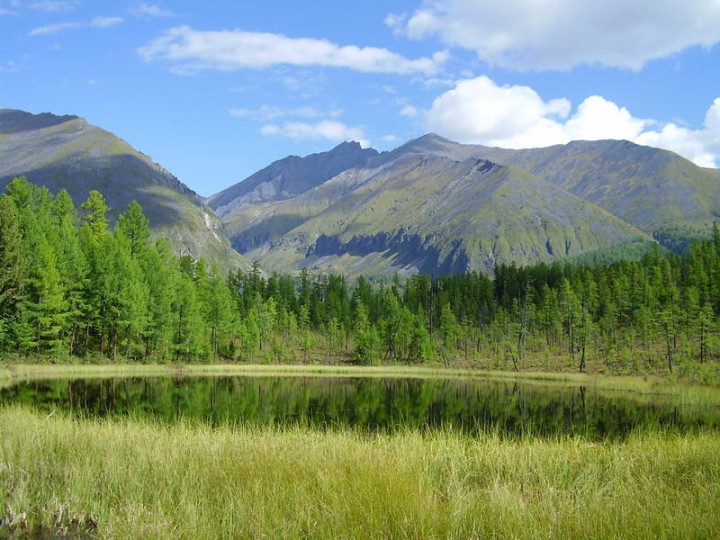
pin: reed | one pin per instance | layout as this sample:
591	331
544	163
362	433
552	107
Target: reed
131	479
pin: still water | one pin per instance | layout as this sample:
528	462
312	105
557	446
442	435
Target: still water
371	404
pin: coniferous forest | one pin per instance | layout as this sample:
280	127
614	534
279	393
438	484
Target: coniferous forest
72	287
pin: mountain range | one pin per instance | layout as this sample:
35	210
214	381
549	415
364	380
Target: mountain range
431	205
436	206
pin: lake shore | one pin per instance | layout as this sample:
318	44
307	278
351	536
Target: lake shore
12	372
135	477
127	479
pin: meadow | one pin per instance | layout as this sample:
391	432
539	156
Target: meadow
132	478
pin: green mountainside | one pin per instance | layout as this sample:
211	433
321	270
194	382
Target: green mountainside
656	190
436	206
66	152
431	205
428	207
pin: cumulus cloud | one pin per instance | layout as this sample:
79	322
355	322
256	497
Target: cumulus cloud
702	146
327	129
560	34
192	50
479	111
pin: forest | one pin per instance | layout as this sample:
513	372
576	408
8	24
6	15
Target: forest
72	288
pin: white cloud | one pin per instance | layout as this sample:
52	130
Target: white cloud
479	111
46	5
97	22
52	29
268	112
192	50
327	129
702	146
596	118
105	22
150	10
409	110
560	34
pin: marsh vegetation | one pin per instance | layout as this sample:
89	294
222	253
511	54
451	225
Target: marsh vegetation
122	478
327	454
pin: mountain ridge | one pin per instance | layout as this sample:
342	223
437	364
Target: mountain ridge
430	205
609	180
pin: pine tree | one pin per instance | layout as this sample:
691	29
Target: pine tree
135	227
96	213
12	266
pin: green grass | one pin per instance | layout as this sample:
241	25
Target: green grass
129	479
12	372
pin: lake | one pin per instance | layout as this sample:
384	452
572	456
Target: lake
372	404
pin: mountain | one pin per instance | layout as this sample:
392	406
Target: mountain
429	206
241	204
66	152
655	190
291	176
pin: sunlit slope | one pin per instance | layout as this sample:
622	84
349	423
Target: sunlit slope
655	190
422	212
67	152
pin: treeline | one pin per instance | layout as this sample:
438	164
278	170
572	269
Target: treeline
71	287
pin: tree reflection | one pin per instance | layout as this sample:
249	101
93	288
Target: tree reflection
512	409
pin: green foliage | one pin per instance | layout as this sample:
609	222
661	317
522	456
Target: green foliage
71	288
96	213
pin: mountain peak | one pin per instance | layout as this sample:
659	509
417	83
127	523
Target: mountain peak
15	121
433	144
430	141
291	176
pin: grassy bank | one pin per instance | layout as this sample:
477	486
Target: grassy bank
11	373
126	479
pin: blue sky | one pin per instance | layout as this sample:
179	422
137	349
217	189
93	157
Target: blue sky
214	91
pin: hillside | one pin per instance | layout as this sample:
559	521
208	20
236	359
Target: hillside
67	152
242	204
436	206
417	210
653	189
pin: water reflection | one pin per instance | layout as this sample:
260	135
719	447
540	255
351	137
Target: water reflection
374	404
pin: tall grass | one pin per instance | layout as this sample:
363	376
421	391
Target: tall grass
129	479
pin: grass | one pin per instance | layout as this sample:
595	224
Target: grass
12	372
640	389
131	479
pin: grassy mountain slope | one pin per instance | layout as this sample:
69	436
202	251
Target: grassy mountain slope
655	190
67	152
419	211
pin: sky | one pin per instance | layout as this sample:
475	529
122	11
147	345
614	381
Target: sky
215	91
